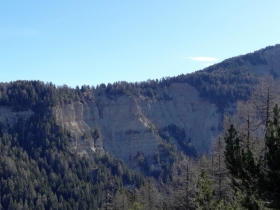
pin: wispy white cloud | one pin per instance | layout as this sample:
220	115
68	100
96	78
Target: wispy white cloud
203	59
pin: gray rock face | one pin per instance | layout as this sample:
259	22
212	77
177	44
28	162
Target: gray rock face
130	124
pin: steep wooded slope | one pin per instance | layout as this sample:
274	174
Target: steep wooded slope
132	116
43	127
138	119
39	169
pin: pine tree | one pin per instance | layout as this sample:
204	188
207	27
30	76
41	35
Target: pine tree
205	199
258	177
272	174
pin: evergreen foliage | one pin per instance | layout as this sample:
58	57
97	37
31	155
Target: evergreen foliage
256	176
38	169
36	95
180	136
205	195
223	83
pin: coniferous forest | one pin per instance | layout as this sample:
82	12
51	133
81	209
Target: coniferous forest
39	169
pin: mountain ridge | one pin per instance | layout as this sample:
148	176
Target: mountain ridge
130	115
64	148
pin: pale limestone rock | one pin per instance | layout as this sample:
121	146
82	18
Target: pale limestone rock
130	125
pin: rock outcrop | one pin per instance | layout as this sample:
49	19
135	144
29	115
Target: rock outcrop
131	121
130	124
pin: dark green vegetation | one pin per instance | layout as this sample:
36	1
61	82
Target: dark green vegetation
256	176
226	84
39	169
179	134
222	84
38	96
250	156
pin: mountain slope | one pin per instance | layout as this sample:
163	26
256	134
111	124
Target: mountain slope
38	167
135	119
55	141
130	115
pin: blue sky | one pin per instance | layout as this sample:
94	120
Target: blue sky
98	41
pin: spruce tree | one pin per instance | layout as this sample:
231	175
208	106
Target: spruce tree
258	177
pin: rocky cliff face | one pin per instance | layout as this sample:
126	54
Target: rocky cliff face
130	124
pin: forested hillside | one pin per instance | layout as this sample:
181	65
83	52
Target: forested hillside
222	83
38	168
159	144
